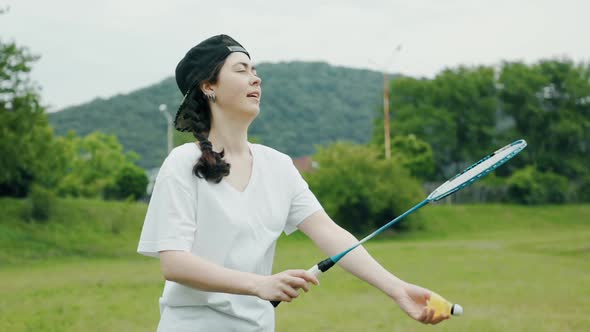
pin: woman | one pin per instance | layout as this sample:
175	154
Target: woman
219	205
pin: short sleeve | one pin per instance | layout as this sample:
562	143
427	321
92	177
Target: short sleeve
170	221
303	201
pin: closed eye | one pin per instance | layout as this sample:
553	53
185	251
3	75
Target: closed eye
244	66
245	71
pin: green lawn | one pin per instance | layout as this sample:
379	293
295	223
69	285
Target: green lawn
512	268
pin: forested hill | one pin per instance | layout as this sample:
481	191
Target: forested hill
303	104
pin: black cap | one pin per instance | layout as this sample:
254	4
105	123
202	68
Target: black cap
198	63
200	60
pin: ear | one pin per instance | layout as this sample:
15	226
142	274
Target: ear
207	88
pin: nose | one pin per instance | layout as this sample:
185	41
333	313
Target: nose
256	80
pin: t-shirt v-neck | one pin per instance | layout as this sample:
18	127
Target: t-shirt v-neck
251	179
230	228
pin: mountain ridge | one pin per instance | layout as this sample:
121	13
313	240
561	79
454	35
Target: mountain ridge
304	104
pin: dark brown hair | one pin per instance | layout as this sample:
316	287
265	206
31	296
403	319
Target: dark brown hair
210	165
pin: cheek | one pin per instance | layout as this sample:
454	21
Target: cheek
232	88
234	91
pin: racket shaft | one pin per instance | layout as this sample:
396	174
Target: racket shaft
470	174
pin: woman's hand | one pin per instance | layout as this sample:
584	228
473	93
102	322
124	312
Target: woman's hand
412	299
284	286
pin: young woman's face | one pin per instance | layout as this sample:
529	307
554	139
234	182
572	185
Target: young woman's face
238	89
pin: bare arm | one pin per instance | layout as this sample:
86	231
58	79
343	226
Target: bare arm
195	272
332	239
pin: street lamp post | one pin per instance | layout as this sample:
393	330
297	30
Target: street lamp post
163	108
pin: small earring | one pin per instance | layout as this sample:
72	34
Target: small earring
212	97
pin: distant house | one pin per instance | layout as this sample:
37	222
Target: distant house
305	164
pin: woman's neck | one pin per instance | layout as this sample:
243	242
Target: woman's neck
231	138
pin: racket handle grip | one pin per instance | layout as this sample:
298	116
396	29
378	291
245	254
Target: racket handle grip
316	270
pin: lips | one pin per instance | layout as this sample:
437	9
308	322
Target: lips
254	94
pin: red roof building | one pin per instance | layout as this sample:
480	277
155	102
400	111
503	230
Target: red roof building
304	164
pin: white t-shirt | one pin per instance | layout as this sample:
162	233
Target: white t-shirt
237	230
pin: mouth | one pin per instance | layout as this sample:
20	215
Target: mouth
255	94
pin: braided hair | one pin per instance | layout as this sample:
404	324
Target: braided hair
196	118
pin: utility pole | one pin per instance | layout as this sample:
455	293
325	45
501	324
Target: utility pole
386	126
387	132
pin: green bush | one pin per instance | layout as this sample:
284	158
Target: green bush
530	186
360	190
557	187
93	163
40	205
582	190
131	181
414	154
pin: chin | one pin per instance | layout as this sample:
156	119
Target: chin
250	112
255	112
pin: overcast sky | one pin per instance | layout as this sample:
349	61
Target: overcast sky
104	47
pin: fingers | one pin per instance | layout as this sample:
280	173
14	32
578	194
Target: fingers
428	317
290	282
290	291
423	315
439	319
426	296
308	277
297	283
282	297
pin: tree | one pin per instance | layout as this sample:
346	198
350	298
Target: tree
94	163
530	186
550	105
26	139
359	189
414	154
469	94
130	182
432	125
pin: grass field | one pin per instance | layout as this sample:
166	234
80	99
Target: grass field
512	268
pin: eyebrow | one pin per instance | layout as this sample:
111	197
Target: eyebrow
245	65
